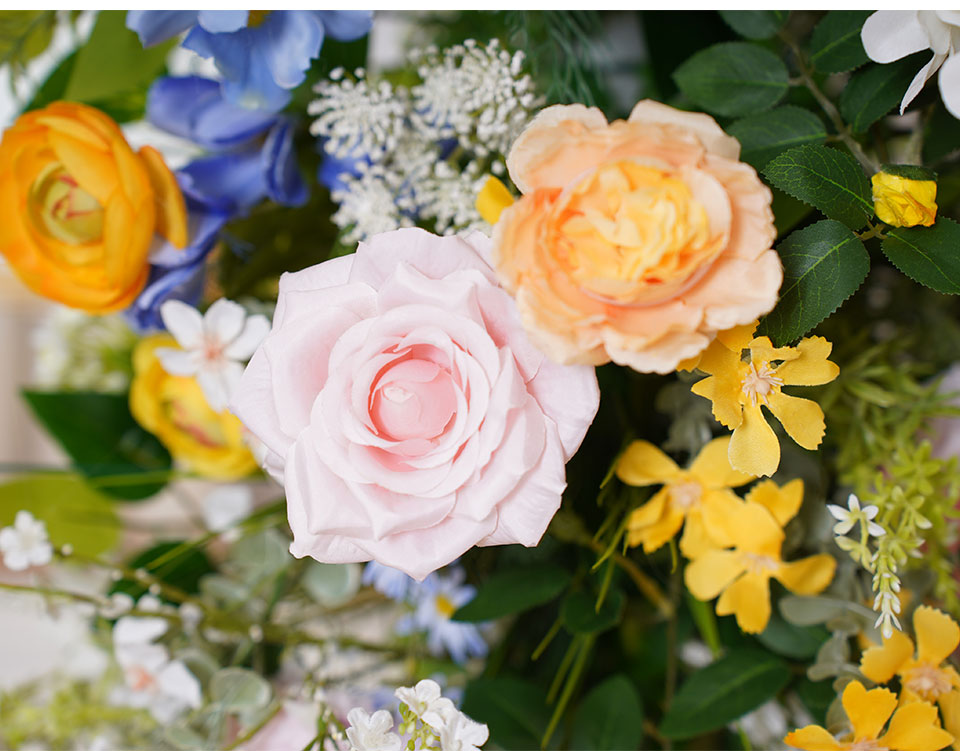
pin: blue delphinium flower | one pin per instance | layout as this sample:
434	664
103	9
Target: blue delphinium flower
261	54
436	599
388	581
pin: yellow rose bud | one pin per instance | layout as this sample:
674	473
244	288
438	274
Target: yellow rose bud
493	199
175	410
80	208
905	196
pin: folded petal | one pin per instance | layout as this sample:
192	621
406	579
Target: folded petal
812	367
285	184
914	728
644	464
748	598
919	81
868	711
783	503
808	576
649	513
937	634
889	35
801	418
754	448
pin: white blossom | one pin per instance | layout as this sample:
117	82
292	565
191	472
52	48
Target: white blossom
213	346
850	516
425	701
25	544
371	732
461	733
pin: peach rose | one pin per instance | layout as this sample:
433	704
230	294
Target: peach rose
635	241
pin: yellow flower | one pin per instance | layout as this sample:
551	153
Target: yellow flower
739	388
913	727
700	495
493	198
175	410
905	196
742	576
922	676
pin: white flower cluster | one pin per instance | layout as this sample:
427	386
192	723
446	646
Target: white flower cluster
421	154
25	543
76	351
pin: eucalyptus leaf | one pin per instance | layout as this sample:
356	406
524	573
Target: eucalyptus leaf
835	46
183	738
927	255
240	690
331	584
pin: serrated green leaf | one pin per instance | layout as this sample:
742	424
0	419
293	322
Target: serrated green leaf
928	255
872	92
515	711
755	24
823	265
835	46
733	78
723	691
510	592
580	614
764	136
909	172
797	642
828	179
610	717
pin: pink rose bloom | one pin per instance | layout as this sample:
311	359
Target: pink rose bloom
404	409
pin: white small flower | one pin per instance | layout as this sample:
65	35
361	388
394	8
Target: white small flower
461	733
425	701
25	544
224	507
371	732
848	517
214	346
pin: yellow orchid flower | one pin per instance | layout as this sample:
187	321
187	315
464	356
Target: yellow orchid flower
739	388
913	727
922	675
950	710
742	576
700	495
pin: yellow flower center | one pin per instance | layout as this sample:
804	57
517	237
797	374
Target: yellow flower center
444	606
685	495
759	382
757	563
927	681
256	17
63	210
634	234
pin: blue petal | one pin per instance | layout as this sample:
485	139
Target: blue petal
194	108
155	26
288	41
284	182
230	183
346	25
216	21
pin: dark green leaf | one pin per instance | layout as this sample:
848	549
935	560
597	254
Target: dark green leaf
610	717
113	62
788	212
835	46
817	696
828	179
723	691
179	564
764	136
798	642
823	265
909	171
580	614
942	136
509	592
515	711
104	441
755	24
734	78
872	92
55	86
928	255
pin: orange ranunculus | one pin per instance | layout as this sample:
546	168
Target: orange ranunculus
80	208
635	241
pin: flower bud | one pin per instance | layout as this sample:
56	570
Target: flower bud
905	195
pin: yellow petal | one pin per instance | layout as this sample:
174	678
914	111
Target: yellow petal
748	598
801	418
712	466
950	709
782	502
754	448
914	728
937	634
658	533
644	464
709	575
649	513
696	539
493	199
868	711
171	207
812	738
762	350
756	531
719	510
724	393
689	364
812	368
738	338
882	662
808	576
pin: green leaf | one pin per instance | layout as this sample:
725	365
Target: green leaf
176	563
798	642
941	137
509	592
928	255
764	136
816	697
835	46
103	440
909	171
733	78
331	584
823	265
24	34
75	514
515	711
872	92
755	24
113	62
828	179
580	614
611	717
723	691
240	690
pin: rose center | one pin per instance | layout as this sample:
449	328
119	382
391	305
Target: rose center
63	210
413	399
759	382
686	495
927	680
757	563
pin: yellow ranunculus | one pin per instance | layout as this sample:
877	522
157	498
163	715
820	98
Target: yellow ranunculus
175	410
905	196
80	208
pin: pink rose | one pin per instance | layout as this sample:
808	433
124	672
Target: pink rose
404	409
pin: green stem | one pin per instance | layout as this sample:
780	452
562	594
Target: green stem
586	645
256	728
